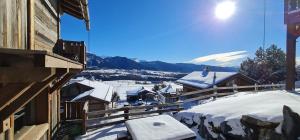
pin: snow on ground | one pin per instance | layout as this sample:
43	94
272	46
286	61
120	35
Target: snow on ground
266	106
112	132
105	133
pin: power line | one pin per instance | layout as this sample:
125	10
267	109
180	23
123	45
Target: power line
264	35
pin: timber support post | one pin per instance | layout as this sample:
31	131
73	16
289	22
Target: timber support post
126	111
84	118
290	57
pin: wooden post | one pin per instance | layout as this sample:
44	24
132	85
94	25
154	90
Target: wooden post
84	118
290	57
215	91
159	110
255	87
234	87
273	86
126	111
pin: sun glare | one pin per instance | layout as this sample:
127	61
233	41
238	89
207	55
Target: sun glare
225	9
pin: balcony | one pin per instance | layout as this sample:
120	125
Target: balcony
73	50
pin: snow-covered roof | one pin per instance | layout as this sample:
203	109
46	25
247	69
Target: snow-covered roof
168	89
138	90
162	127
266	106
100	90
203	79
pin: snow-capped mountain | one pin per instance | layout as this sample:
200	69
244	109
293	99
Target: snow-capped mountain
117	62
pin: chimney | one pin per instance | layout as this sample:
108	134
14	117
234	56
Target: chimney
205	71
215	77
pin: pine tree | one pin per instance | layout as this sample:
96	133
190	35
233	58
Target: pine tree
268	66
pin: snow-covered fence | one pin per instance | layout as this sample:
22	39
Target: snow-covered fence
99	119
214	91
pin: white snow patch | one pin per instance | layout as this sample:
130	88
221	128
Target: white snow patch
160	127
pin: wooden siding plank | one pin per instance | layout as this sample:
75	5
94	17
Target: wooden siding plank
45	27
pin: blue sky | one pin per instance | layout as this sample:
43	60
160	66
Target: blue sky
178	30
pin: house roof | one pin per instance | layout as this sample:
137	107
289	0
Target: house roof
138	90
168	89
204	79
99	90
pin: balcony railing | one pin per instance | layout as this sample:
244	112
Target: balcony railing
74	50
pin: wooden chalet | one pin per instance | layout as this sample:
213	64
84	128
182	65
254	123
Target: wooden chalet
99	96
199	80
140	93
34	64
170	94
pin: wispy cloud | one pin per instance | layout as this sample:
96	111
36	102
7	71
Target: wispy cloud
221	59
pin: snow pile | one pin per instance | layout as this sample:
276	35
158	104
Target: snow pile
265	106
160	127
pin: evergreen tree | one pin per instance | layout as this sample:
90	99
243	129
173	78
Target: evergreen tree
268	66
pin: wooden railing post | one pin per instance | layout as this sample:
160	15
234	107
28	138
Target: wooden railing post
215	91
273	86
159	110
126	112
84	118
234	87
255	87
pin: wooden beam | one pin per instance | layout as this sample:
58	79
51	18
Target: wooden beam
11	92
61	82
26	97
49	61
24	75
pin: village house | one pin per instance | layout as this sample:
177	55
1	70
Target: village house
205	79
170	94
99	96
35	62
142	93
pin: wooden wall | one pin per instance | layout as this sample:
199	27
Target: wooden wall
13	24
45	26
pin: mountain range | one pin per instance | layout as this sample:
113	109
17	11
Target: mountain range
117	62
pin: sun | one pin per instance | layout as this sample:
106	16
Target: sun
225	9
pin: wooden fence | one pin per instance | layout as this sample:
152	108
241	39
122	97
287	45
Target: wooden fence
77	111
74	110
202	94
98	119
